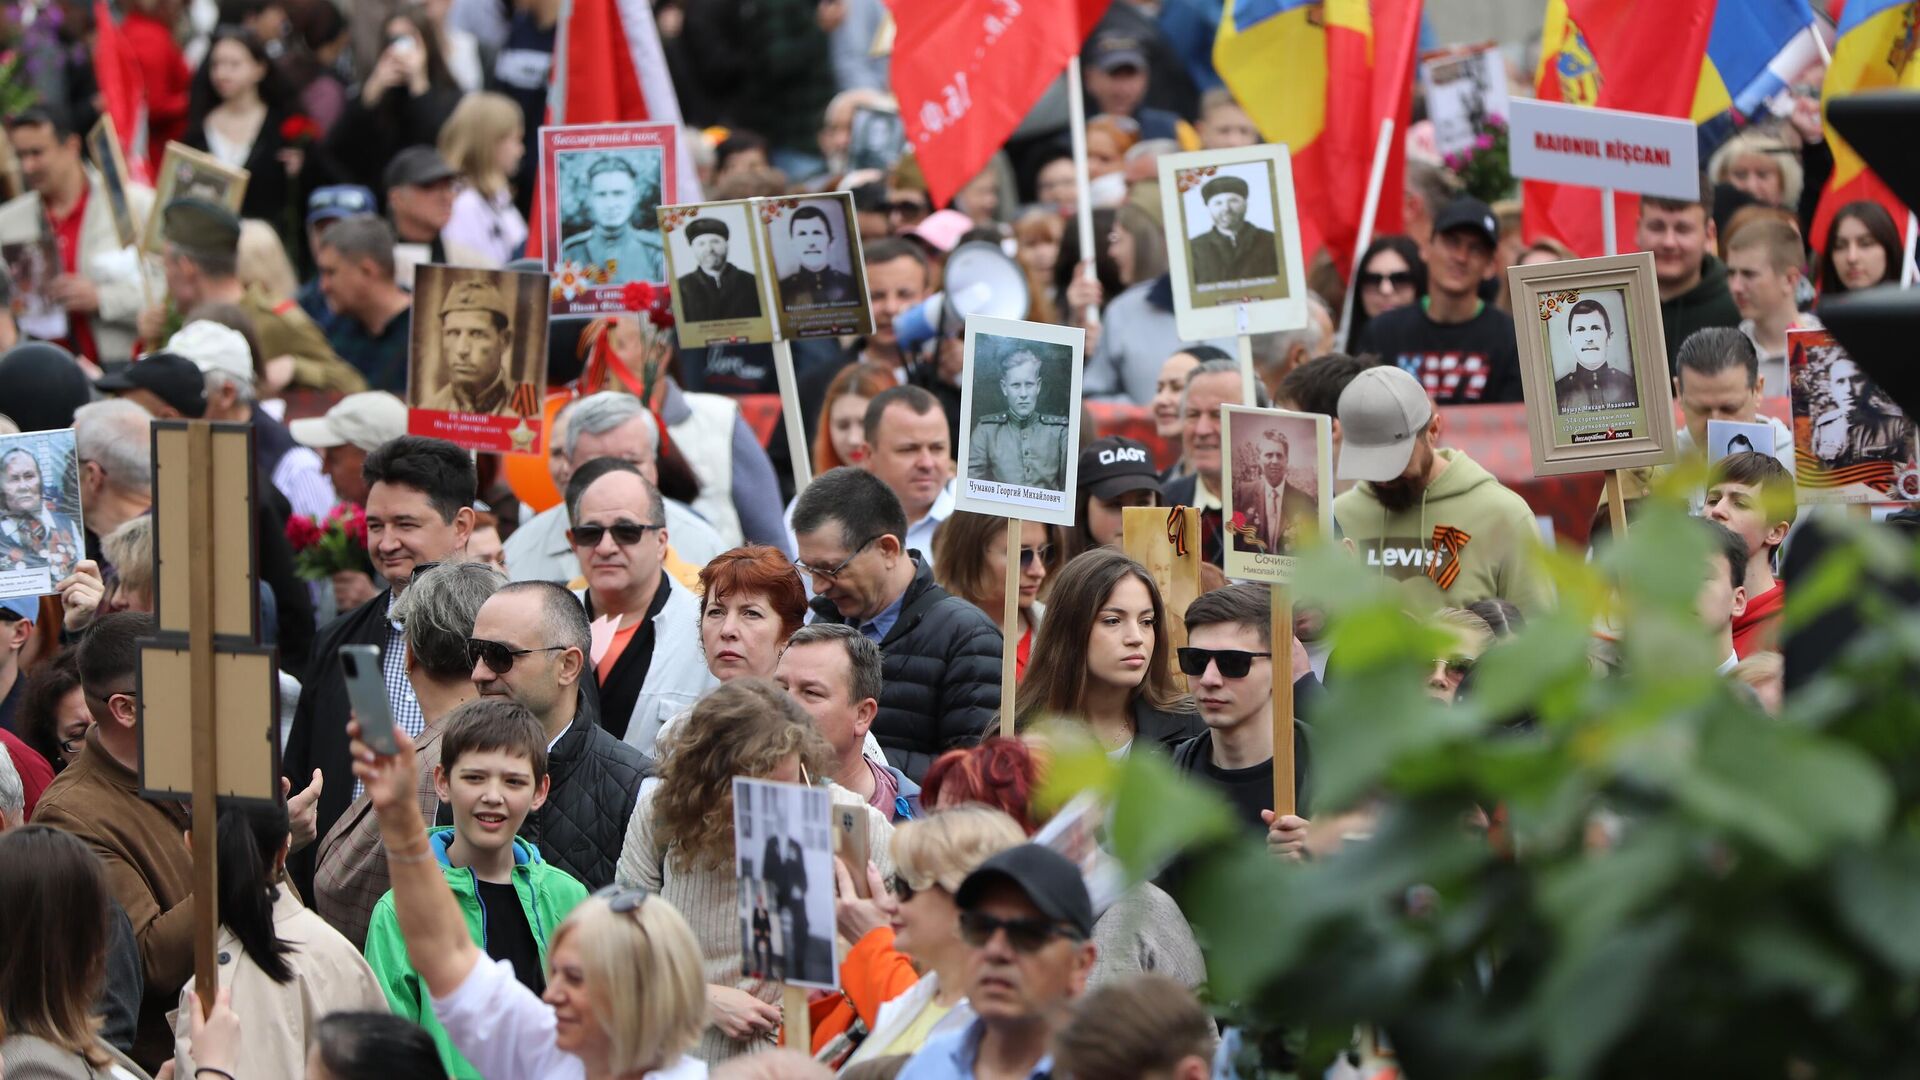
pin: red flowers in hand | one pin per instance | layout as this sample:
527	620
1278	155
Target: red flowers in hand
299	130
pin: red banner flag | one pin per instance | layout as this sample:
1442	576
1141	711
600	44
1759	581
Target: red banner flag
122	90
966	72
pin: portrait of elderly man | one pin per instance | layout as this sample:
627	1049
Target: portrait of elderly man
1271	516
1861	426
1021	445
615	194
1234	249
32	534
476	345
715	288
1593	383
816	282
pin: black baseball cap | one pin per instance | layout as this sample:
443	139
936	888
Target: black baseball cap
1047	877
170	377
416	166
1115	465
1468	214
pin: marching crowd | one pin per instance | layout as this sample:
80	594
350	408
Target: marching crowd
541	881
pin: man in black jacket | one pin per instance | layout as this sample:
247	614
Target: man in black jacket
940	654
531	645
419	511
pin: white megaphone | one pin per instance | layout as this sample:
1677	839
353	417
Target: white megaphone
980	280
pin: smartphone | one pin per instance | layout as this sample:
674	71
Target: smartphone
850	838
367	691
401	43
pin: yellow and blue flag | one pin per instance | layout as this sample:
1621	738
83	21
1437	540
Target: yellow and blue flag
1878	48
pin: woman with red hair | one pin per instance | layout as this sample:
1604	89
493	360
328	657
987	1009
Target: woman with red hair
751	602
842	436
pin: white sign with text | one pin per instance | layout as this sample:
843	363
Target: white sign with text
1605	148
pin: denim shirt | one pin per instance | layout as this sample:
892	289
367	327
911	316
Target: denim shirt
952	1056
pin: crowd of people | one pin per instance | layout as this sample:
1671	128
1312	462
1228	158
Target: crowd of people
541	881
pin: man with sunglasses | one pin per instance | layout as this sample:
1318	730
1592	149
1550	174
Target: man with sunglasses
1027	921
1228	661
941	655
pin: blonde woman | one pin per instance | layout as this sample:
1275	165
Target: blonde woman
1760	165
263	262
680	840
484	141
624	999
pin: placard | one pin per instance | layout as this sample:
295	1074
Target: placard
33	265
1020	419
605	184
1604	148
1851	442
1464	87
41	533
719	270
189	173
1279	467
876	139
1728	437
1233	242
477	365
783	848
820	286
103	146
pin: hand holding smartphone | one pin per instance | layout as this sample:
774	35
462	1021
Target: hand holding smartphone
367	691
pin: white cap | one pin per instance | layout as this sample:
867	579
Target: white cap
1382	411
366	420
214	347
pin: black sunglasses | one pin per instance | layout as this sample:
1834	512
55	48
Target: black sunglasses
1024	935
1399	279
624	533
901	890
1234	663
844	563
497	657
1044	552
622	899
1456	666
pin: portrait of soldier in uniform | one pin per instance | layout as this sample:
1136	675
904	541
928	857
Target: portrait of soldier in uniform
1860	426
715	288
816	281
616	192
1271	515
1021	445
1593	383
476	342
1232	248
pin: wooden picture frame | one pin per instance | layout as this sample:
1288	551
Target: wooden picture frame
1593	364
103	145
727	307
183	172
1221	289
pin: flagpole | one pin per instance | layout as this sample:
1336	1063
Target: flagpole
1082	184
1606	221
1375	179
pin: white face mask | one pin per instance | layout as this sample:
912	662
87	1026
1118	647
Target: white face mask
1107	192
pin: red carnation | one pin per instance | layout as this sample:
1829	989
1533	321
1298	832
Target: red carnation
302	532
299	130
637	296
661	314
354	523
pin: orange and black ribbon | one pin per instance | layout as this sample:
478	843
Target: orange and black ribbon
1177	530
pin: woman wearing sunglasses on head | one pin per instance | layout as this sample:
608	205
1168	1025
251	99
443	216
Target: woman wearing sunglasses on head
970	561
680	841
1391	275
1103	659
624	999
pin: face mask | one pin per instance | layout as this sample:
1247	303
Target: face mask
1107	192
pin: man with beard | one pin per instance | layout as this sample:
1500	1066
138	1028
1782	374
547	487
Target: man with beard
1593	383
476	341
1235	249
815	284
715	288
1432	518
1022	445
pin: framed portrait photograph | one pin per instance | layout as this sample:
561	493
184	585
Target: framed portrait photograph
876	139
1279	465
41	536
783	846
605	185
1020	419
1851	442
1593	364
1727	437
477	365
33	265
1233	242
814	247
719	274
1464	87
189	173
103	146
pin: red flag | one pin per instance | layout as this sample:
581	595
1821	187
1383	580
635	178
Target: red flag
1638	55
966	72
122	89
608	67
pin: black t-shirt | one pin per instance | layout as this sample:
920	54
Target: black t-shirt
508	937
1250	790
1471	363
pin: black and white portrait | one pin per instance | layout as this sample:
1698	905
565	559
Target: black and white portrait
1592	358
609	199
713	251
876	139
40	535
1020	419
783	842
1854	423
1230	240
811	253
1728	437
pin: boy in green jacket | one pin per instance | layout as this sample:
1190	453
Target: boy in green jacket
492	773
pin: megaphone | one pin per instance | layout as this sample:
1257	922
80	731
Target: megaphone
980	280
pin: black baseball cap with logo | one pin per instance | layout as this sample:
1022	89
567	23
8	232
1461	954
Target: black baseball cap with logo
1115	465
1468	214
170	377
1048	878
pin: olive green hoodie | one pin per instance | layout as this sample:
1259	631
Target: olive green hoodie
1466	539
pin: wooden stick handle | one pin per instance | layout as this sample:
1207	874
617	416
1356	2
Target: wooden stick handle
1616	506
793	1014
1282	649
790	409
1010	630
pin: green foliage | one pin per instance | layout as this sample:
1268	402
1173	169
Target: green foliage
1675	884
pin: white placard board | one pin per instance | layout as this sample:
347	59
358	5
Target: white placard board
1605	148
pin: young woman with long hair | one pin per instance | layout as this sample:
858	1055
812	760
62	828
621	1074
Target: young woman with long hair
484	141
970	561
1863	249
235	108
842	434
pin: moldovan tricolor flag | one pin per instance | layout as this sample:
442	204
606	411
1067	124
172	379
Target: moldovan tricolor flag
608	68
1878	49
1755	49
1638	55
122	90
966	72
1320	77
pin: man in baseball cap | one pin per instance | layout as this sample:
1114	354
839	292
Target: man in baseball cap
1458	345
1027	922
1118	65
165	384
419	185
1433	518
327	206
476	343
1115	472
356	425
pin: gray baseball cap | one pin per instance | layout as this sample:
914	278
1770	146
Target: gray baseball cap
1382	411
365	420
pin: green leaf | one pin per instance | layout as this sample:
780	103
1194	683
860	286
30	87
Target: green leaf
1877	894
1797	793
1591	997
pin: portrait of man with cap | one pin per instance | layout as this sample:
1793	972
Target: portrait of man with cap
815	281
715	288
1232	248
33	532
475	341
1271	516
617	189
1021	445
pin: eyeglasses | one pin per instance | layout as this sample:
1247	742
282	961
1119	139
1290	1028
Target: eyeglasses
1456	666
1398	279
1024	935
1234	663
497	657
811	571
901	890
625	533
622	899
1044	553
